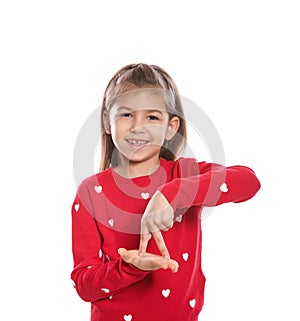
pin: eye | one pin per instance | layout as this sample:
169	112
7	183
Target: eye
152	117
126	115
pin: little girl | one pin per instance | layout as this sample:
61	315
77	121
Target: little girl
136	224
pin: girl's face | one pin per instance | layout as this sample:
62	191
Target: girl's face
139	124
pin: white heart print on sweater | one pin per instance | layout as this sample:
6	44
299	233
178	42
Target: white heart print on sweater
192	303
127	317
178	218
145	195
76	207
224	188
98	188
166	292
185	256
111	222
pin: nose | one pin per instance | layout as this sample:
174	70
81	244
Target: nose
137	125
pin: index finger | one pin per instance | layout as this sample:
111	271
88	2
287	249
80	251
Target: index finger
144	239
161	244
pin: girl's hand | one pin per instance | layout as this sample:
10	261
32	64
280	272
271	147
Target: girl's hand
158	216
148	262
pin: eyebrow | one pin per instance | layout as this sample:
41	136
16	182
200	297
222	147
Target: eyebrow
149	110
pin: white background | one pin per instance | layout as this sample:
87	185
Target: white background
239	60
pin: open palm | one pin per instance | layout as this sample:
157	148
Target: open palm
148	262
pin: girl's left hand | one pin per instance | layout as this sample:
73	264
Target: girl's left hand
149	262
158	216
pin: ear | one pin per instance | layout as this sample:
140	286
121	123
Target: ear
173	126
106	122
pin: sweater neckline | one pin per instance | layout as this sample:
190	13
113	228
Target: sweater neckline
151	176
140	187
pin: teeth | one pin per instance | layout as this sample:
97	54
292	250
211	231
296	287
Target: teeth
137	142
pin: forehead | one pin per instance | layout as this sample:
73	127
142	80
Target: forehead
146	98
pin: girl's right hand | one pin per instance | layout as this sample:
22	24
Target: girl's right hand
148	262
158	216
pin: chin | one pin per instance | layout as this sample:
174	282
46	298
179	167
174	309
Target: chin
139	156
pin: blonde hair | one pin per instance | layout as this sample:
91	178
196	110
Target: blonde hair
140	76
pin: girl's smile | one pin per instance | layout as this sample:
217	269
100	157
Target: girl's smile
137	144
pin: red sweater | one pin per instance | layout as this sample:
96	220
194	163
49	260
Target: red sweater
106	215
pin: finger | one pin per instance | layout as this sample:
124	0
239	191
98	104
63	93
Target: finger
167	228
169	264
161	244
124	254
144	239
173	266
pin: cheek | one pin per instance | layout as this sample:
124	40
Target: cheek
159	133
118	127
116	134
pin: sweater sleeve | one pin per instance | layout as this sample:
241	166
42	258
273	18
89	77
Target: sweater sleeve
93	278
213	185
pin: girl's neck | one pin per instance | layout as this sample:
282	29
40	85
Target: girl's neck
129	169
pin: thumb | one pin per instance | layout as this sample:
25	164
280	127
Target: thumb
124	254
